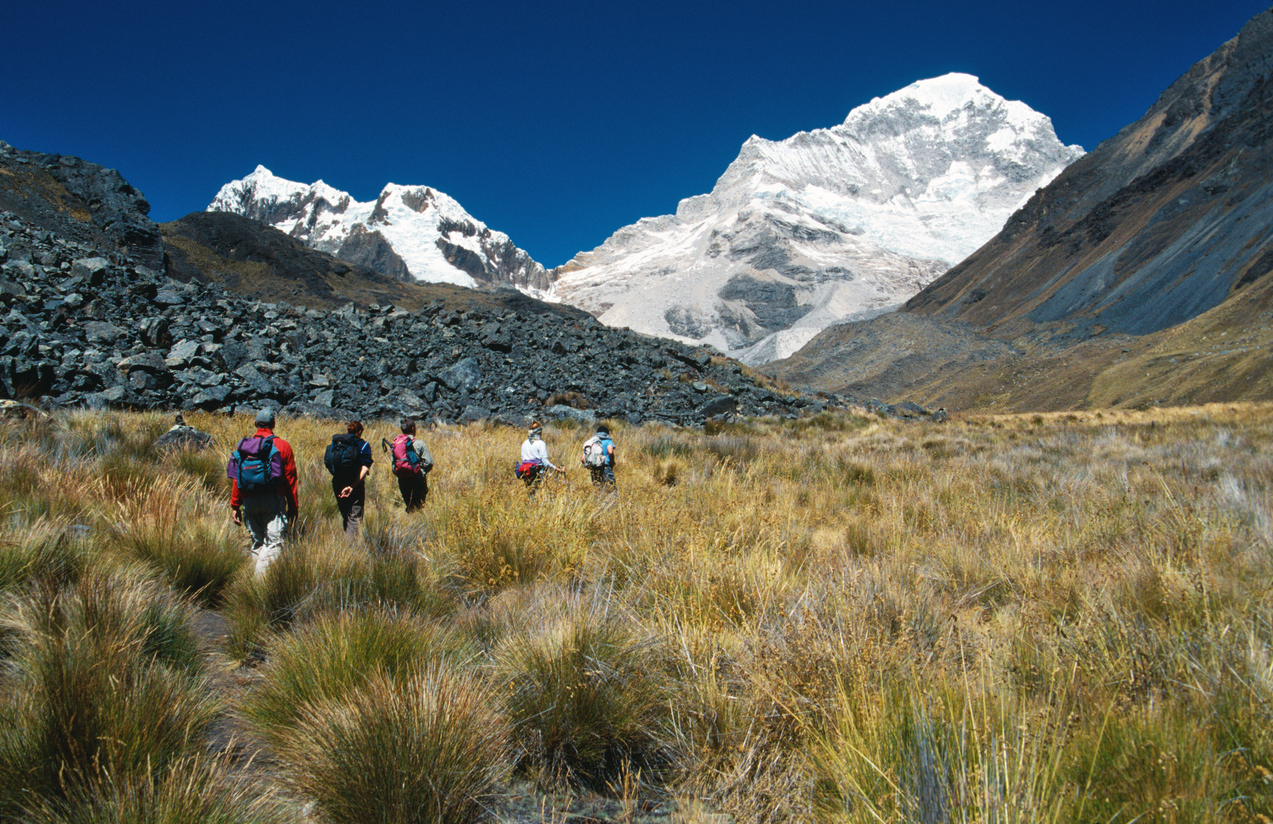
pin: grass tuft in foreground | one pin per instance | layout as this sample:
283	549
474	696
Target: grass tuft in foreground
104	685
586	704
335	654
431	746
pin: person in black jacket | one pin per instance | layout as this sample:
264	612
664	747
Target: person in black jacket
348	459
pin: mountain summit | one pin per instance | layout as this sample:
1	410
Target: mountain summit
408	232
826	225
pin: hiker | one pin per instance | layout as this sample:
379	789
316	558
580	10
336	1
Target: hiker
263	487
348	459
535	458
598	456
412	462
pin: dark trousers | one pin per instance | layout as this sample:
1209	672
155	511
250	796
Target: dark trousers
531	478
414	489
602	475
351	508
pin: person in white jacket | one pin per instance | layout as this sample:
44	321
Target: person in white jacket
535	461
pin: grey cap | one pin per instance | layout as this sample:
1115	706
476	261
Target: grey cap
265	418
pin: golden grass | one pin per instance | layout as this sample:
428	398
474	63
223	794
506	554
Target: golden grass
1048	617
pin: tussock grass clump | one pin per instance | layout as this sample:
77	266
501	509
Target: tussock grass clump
585	694
179	532
836	421
666	446
104	683
431	746
194	789
322	573
205	466
335	654
490	546
39	484
45	553
1151	762
899	753
736	451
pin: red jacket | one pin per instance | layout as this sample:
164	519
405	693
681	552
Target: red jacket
287	485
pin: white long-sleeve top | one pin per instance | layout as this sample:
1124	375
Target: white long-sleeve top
534	449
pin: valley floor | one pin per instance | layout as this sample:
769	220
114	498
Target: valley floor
1050	616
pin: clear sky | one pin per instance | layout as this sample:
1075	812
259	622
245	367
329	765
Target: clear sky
555	122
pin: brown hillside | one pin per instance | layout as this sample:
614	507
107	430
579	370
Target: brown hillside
1223	355
258	261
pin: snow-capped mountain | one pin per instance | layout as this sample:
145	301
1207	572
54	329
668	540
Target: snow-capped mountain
827	225
408	232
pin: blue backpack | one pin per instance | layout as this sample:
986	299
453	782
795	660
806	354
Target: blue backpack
256	465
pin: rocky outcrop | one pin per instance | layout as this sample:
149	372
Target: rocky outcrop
80	201
370	249
79	328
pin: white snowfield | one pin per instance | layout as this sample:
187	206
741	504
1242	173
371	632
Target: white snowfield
410	218
826	226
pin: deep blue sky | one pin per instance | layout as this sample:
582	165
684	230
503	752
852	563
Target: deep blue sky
556	122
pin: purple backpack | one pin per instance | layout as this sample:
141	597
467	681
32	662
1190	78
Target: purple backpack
256	465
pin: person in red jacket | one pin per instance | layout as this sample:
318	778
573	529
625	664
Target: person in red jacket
266	512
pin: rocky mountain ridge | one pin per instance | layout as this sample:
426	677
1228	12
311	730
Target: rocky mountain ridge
250	259
87	322
81	202
1155	226
826	225
1142	275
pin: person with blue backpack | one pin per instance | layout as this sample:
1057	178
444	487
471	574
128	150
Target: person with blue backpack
262	471
598	457
348	459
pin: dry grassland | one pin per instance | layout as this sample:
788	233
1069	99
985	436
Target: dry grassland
1052	617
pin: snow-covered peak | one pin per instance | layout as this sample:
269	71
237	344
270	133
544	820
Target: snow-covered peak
936	95
826	224
407	231
953	100
263	187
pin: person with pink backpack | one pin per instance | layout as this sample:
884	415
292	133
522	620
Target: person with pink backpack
411	464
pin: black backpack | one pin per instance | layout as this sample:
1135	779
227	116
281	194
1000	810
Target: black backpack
343	458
